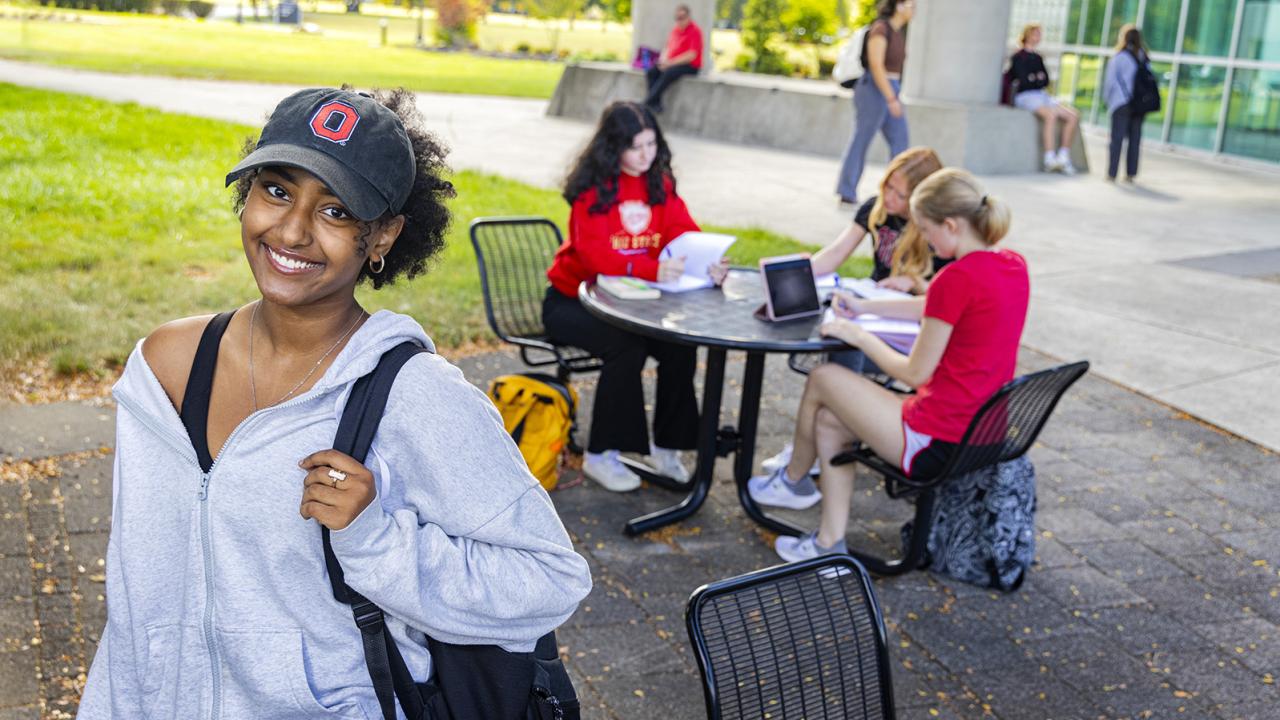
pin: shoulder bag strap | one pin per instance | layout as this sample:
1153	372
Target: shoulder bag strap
195	399
387	669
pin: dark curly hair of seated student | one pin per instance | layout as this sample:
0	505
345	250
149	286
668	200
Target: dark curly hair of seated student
600	163
426	218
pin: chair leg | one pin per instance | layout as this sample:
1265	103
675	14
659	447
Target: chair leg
917	547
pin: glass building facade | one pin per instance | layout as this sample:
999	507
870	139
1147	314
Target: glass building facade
1218	63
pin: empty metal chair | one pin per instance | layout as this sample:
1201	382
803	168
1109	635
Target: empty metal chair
513	254
802	640
1003	429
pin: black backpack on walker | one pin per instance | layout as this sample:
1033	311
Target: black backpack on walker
468	682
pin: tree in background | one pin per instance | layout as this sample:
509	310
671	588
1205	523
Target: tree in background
865	13
729	12
550	12
761	26
456	21
811	23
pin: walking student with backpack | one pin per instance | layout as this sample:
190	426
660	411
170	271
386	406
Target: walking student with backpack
1130	92
293	534
876	107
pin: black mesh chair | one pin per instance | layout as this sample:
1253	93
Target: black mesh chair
513	254
803	640
1004	428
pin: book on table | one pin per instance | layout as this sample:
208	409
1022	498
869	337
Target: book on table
627	288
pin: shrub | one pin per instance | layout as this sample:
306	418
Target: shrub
201	8
769	63
761	24
523	47
456	21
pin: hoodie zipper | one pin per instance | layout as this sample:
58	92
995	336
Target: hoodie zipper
206	548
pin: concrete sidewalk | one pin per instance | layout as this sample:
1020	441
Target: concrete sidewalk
1155	594
1170	288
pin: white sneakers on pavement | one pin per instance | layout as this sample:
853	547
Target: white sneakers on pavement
783	458
667	462
805	547
1059	161
776	490
607	470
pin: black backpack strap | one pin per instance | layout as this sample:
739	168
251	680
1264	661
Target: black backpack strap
387	669
195	399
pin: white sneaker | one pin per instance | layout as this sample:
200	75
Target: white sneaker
1064	162
783	458
774	490
1051	162
605	468
805	547
667	462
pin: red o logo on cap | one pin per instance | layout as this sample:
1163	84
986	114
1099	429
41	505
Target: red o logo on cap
335	121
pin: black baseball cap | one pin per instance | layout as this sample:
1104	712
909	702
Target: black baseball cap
353	143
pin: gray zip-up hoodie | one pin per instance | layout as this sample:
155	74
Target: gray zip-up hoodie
218	602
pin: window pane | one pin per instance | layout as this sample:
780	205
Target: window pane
1209	24
1160	24
1260	32
1067	66
1073	21
1195	111
1153	124
1095	18
1253	120
1086	84
1122	11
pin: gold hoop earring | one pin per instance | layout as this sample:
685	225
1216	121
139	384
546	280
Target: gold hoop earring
382	262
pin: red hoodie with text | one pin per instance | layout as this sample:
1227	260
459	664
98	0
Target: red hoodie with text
623	240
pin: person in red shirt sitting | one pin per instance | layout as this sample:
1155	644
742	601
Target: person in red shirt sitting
682	56
624	211
973	315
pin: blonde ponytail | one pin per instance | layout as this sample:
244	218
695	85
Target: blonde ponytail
954	193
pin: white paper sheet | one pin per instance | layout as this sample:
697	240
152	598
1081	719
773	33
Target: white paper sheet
867	288
685	283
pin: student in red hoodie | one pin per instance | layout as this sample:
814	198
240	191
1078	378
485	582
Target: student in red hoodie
624	211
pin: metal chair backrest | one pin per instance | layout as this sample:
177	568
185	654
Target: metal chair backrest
513	254
803	640
1008	423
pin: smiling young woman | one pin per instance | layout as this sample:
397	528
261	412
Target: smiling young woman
218	600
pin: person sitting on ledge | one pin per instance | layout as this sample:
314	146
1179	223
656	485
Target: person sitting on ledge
682	56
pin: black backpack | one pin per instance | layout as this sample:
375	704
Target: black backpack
1145	97
468	682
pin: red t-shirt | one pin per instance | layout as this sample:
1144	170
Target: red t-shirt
983	296
624	240
681	41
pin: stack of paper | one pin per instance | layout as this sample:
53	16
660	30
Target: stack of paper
700	250
898	334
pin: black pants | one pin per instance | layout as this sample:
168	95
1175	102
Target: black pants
1125	125
659	80
617	417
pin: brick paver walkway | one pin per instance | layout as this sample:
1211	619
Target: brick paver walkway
1156	594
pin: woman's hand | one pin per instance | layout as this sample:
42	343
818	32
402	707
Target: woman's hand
846	304
901	283
671	269
718	271
334	500
895	107
850	332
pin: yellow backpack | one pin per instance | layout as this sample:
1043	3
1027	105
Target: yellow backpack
538	410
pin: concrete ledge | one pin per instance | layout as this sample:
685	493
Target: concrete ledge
808	116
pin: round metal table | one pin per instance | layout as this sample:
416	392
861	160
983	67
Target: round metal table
719	319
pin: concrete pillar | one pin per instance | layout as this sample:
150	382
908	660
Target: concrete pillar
652	20
956	51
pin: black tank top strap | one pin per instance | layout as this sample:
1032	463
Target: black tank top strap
195	400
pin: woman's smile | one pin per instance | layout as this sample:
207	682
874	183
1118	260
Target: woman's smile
288	263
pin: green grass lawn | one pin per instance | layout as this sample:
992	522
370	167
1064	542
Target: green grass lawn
113	219
264	53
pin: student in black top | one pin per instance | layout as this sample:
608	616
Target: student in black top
1030	82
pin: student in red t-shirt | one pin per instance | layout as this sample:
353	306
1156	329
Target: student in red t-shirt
973	315
624	211
682	56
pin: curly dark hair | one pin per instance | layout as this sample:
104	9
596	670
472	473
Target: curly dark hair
426	219
599	164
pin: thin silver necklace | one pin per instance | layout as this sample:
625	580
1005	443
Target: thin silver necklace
253	388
